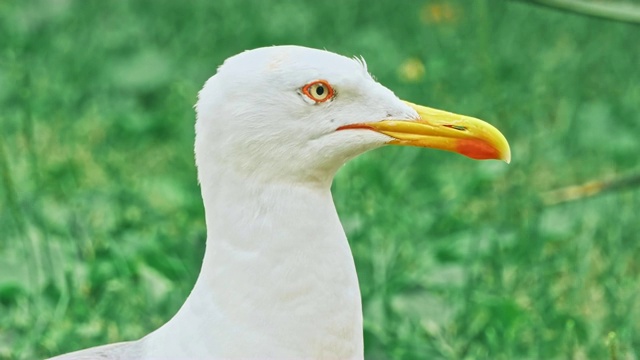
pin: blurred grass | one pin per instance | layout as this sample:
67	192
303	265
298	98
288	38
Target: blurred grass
101	223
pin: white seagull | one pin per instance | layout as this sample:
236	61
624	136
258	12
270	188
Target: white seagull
278	279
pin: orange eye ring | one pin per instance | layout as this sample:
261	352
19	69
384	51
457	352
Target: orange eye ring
318	91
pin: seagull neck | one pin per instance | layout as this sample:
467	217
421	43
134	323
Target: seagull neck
248	217
278	276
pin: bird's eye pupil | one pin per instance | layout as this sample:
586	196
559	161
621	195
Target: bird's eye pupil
318	91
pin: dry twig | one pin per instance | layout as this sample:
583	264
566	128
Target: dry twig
617	11
592	188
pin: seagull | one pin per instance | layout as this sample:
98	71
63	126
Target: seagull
278	280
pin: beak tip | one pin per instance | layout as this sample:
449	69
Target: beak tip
507	156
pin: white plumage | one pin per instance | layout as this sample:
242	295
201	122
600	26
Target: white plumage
278	279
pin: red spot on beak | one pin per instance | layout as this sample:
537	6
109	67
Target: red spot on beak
477	149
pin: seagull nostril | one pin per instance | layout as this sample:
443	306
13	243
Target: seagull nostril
456	127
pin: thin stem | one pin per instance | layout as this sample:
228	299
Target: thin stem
617	11
591	188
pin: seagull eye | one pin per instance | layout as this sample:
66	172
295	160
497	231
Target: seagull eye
318	91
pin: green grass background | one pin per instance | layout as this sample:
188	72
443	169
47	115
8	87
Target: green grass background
101	222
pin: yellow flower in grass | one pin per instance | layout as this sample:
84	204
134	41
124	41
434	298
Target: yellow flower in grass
411	70
439	13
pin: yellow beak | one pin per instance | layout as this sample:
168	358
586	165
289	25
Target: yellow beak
445	131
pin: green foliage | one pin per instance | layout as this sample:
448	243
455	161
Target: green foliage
101	222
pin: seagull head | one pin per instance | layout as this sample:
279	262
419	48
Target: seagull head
297	114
